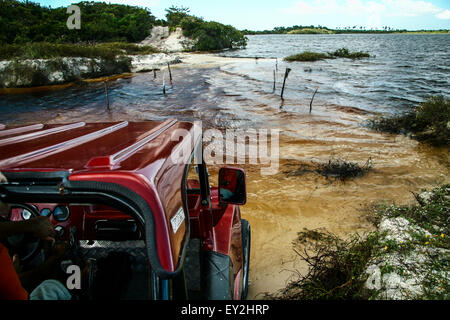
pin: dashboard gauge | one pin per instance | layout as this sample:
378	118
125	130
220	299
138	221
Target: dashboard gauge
61	213
46	212
26	214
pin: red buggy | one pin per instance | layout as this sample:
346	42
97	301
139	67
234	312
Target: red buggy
140	189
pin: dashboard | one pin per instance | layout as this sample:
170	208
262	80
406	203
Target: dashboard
92	222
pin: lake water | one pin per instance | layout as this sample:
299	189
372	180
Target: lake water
403	70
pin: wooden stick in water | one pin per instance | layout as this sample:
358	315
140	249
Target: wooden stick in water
106	96
164	83
170	72
286	74
310	104
274	80
154	73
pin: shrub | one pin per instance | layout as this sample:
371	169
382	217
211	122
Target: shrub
314	56
175	15
343	170
336	270
311	31
211	36
307	56
429	121
334	168
345	53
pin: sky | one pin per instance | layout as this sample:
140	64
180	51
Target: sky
267	14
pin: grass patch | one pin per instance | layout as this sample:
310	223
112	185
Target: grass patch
315	56
343	170
429	121
345	53
307	56
311	31
45	50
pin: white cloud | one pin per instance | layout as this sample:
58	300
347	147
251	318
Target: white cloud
444	15
410	8
352	7
317	7
372	12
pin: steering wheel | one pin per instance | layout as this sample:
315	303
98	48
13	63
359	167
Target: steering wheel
25	245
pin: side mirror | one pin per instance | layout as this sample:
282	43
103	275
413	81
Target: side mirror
232	186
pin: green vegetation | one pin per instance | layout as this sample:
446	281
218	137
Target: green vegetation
208	35
424	32
29	31
22	22
26	22
311	31
315	56
44	50
410	249
293	30
174	16
346	30
429	121
345	53
307	56
343	170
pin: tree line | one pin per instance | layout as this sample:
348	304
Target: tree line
24	22
339	30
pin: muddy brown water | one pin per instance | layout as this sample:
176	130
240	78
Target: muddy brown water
280	205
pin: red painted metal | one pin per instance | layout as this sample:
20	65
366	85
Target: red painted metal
121	155
24	158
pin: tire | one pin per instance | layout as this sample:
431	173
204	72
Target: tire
246	244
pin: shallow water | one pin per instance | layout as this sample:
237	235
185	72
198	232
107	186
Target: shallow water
403	68
238	93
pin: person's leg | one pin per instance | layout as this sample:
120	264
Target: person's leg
50	290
